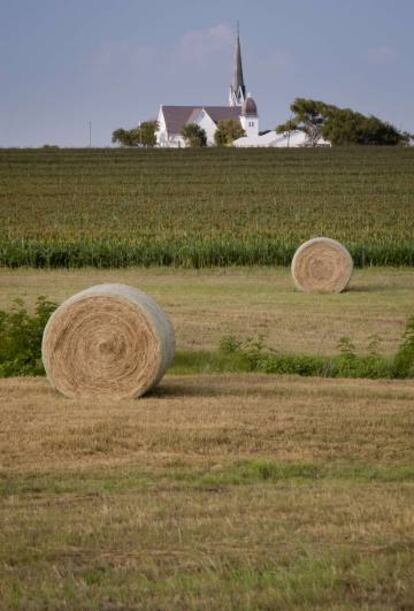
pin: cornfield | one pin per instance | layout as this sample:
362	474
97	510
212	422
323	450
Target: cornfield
116	207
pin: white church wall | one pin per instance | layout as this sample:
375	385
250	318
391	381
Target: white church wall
161	133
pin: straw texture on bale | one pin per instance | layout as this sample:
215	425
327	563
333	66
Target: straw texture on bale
109	340
322	265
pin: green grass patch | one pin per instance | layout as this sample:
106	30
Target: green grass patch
243	473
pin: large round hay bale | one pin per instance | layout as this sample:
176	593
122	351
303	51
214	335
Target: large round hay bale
322	265
110	340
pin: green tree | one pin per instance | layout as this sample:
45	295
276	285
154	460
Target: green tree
227	131
309	117
147	131
194	135
339	125
143	135
124	137
344	126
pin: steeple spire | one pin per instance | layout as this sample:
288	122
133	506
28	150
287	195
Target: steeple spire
237	88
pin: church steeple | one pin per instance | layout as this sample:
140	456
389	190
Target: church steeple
237	89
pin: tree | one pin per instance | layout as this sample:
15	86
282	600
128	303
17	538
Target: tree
143	135
194	135
340	125
124	137
345	126
227	131
147	132
309	117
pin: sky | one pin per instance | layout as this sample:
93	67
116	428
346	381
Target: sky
65	63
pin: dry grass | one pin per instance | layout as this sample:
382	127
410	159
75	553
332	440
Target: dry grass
216	492
205	305
209	419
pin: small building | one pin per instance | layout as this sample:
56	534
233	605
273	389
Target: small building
293	139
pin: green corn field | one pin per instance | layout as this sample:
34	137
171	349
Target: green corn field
119	207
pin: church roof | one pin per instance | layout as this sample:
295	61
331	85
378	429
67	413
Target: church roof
221	113
178	116
249	107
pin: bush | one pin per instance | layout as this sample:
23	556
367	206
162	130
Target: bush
227	131
194	135
21	338
256	356
404	359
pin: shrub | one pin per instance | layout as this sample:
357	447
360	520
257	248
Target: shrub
227	131
256	356
194	135
21	338
404	359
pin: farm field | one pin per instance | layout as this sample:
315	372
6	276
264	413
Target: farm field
214	492
115	208
206	305
231	491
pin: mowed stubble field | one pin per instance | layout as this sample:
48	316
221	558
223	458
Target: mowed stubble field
215	491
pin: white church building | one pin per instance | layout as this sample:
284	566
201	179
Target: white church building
241	106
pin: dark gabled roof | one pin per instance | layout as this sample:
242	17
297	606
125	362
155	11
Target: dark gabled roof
178	116
194	114
222	113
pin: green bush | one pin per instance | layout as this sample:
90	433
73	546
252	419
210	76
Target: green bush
404	359
21	338
256	356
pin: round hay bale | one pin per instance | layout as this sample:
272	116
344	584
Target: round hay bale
322	265
110	340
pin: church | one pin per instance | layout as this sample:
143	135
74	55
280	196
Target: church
241	107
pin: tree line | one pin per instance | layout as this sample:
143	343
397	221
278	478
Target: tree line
194	136
316	119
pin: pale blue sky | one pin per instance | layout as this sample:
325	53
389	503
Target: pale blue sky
65	62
